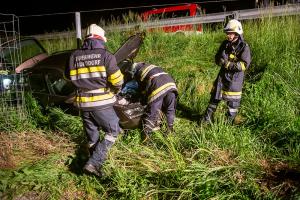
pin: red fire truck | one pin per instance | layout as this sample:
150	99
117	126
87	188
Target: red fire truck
175	12
192	9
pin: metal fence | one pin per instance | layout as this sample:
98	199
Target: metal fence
11	84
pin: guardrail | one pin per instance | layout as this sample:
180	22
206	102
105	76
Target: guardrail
291	9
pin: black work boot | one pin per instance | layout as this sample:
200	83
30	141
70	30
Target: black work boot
170	130
230	120
93	170
207	118
209	113
146	135
145	138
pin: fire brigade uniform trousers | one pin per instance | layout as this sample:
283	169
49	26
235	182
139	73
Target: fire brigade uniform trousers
233	107
108	121
167	104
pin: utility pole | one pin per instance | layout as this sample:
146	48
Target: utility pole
78	29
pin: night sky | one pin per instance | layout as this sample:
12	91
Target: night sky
38	17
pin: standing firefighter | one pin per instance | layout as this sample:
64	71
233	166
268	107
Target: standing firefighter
160	93
94	71
234	58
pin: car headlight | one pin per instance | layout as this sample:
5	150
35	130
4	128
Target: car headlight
6	83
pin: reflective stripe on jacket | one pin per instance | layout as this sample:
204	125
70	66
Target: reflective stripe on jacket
95	74
229	82
154	81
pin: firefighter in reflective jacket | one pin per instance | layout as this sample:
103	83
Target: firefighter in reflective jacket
94	71
234	58
160	93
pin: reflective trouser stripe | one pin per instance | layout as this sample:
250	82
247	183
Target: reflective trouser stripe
233	107
94	98
233	110
96	103
231	95
100	90
212	106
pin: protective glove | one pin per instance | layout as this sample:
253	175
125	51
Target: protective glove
227	61
223	59
122	101
229	65
226	64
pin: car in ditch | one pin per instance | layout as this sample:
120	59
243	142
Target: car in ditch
50	87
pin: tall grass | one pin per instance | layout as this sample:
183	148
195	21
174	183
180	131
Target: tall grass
258	159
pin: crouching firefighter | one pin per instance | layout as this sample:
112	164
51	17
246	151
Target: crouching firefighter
160	93
234	58
94	71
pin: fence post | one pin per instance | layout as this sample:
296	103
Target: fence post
78	29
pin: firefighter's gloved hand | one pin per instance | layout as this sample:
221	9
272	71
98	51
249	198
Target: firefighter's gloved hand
228	65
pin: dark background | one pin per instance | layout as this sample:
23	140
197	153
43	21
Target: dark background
38	17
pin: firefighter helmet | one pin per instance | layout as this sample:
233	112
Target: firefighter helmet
234	26
96	31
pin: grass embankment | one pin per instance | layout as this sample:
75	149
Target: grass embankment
257	159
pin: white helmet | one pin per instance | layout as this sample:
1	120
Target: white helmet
96	31
234	26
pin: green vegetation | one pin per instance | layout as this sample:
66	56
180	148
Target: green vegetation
257	159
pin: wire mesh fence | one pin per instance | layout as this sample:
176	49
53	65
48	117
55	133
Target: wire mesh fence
11	83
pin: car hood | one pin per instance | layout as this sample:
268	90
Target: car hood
130	48
57	60
127	51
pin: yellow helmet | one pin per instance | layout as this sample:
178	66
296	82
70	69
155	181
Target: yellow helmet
234	26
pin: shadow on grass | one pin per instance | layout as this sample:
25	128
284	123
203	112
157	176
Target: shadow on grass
79	160
255	73
282	179
187	113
